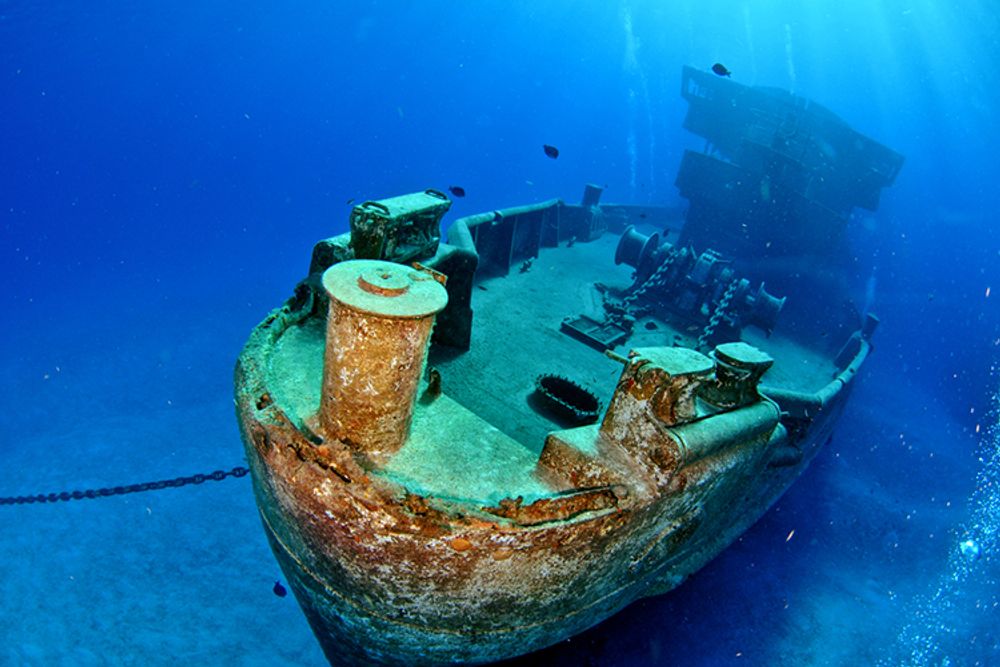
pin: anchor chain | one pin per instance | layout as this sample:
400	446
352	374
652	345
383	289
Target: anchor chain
656	279
717	314
216	476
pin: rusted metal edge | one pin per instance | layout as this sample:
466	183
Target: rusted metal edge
336	458
371	611
557	509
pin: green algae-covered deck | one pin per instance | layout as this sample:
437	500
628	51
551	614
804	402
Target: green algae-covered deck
480	441
451	452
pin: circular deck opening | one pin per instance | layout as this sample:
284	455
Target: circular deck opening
567	400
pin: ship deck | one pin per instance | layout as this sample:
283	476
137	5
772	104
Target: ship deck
516	337
481	442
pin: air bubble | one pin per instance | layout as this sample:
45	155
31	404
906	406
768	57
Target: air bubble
933	617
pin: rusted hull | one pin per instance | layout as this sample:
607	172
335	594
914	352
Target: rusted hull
386	577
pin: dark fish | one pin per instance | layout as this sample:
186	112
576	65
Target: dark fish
279	590
642	215
551	151
721	70
456	190
350	201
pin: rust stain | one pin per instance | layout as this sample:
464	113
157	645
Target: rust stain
460	544
423	573
559	508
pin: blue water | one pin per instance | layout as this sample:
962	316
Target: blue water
165	169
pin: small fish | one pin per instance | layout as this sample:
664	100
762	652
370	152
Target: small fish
550	151
456	190
279	590
721	70
643	216
350	201
526	265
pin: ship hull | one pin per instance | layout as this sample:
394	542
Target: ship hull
386	577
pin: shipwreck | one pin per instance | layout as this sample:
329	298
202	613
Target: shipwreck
470	449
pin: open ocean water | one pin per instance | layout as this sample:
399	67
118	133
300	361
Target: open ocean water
166	167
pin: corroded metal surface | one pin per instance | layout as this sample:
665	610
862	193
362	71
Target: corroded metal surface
388	576
663	380
398	229
378	327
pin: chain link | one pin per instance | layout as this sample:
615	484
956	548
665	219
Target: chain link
656	279
717	314
216	476
659	279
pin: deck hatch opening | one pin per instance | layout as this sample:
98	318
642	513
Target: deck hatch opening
567	399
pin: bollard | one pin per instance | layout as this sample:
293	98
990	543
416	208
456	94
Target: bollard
738	370
378	328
